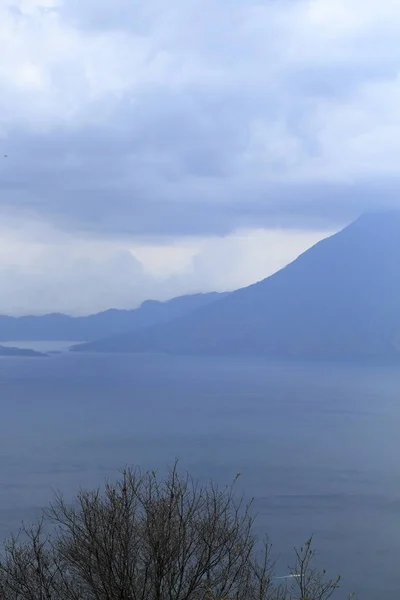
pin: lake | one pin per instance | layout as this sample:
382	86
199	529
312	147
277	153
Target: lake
317	446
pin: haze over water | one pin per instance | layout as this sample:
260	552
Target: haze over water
317	446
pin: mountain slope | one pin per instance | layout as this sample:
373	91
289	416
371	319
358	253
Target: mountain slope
340	299
23	352
62	327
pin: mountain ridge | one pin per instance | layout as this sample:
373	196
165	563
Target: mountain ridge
20	352
340	299
58	326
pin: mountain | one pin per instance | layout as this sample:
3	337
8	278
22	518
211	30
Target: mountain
10	351
62	327
338	300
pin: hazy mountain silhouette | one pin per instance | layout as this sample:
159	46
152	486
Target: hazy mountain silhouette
62	327
340	299
10	351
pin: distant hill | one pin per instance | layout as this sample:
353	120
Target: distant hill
54	327
338	300
10	351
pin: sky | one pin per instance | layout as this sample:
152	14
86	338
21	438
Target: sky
152	148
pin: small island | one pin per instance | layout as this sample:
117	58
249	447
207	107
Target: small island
12	351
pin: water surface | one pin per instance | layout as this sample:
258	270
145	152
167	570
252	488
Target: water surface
318	447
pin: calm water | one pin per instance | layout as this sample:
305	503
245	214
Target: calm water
318	447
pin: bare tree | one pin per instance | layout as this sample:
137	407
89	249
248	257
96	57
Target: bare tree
310	583
146	538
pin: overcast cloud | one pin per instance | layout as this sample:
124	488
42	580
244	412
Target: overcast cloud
140	129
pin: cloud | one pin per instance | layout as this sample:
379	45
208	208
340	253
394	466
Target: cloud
154	118
44	271
185	134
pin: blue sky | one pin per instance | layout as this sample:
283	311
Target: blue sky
156	148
